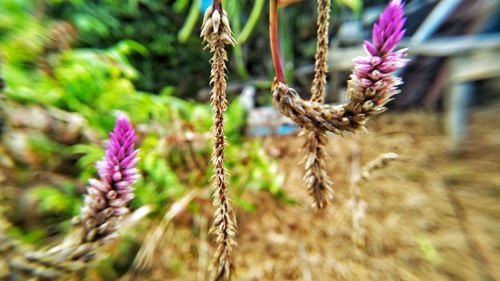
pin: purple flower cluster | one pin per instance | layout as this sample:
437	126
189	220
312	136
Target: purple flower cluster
107	197
373	73
117	168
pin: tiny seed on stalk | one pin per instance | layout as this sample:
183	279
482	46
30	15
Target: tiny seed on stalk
368	105
111	195
216	21
328	114
370	92
206	27
225	23
208	13
340	112
227	39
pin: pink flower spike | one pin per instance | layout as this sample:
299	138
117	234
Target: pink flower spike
372	75
117	173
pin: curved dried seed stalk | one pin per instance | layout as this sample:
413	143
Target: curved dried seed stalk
216	33
146	254
378	163
316	178
316	116
371	85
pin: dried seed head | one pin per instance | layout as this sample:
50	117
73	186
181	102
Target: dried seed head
316	178
216	21
216	28
216	32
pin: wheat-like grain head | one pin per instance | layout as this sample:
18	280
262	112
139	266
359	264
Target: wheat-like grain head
216	33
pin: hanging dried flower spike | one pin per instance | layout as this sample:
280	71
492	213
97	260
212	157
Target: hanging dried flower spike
316	178
216	32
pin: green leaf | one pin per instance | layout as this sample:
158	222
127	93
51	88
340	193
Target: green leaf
355	5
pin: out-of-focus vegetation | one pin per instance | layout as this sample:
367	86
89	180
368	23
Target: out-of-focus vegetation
82	61
169	30
43	73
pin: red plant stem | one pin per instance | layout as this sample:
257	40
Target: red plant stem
273	38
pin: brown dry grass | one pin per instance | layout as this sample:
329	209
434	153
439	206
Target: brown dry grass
410	230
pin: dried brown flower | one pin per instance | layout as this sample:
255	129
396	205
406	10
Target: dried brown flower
216	33
318	88
316	178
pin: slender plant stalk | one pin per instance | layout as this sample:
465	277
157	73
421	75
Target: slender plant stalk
318	88
190	22
216	33
234	9
273	40
316	178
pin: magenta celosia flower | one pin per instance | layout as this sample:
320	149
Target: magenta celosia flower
108	196
118	166
373	72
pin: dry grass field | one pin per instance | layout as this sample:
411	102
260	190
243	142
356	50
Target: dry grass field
434	215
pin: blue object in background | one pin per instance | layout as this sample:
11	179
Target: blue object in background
286	129
204	5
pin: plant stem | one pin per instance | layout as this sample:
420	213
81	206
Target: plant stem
273	36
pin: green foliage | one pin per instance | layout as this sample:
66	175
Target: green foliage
30	237
355	5
257	8
175	145
429	252
64	200
157	26
190	23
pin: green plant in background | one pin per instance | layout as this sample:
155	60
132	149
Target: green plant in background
163	28
355	5
96	82
155	25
